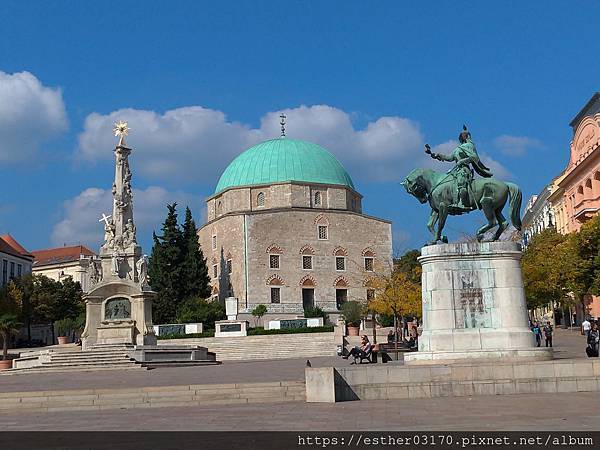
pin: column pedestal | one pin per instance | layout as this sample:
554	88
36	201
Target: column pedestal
474	305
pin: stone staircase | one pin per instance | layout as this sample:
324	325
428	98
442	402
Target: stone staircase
275	346
105	357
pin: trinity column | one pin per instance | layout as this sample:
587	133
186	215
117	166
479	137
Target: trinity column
119	304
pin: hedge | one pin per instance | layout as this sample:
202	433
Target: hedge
252	332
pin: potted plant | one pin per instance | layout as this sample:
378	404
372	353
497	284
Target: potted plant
64	328
353	312
9	326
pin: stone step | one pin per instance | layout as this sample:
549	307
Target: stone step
87	363
41	369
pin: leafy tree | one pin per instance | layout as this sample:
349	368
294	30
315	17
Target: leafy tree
9	326
544	274
165	268
195	278
397	295
258	312
582	258
409	264
199	310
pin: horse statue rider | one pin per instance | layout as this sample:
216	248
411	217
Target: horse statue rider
457	192
467	159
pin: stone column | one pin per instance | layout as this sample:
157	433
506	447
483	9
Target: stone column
474	304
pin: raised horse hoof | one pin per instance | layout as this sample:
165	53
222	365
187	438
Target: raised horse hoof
445	239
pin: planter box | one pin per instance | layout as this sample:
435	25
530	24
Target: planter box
294	323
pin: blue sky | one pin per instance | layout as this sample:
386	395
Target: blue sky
200	81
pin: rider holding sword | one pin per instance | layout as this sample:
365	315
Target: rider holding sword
467	159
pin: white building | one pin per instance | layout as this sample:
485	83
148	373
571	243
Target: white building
59	263
14	259
538	215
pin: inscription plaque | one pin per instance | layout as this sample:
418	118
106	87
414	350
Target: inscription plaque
230	327
293	323
117	308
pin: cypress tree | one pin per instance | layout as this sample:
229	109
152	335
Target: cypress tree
165	269
195	279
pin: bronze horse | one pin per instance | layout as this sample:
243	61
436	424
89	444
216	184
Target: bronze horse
488	194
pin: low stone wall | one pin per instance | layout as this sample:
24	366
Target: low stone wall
387	381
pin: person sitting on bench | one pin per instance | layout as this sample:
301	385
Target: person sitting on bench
361	353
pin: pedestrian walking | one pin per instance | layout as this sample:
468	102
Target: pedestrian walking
537	332
593	341
586	326
548	330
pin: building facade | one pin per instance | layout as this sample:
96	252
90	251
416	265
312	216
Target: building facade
580	183
15	261
62	262
538	215
285	229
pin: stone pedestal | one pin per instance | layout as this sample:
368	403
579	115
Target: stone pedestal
474	305
118	312
231	328
231	308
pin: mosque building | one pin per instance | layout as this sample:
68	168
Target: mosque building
285	229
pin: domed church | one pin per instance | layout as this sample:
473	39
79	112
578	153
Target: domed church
285	229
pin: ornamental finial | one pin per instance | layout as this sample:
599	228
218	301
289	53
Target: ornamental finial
121	129
282	123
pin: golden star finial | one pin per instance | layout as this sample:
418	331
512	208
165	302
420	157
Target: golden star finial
121	129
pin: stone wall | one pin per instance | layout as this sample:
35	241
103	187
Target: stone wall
287	231
282	195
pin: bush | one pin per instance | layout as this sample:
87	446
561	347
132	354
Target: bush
65	327
253	332
353	312
195	310
315	311
204	334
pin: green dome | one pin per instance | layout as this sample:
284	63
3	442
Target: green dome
281	160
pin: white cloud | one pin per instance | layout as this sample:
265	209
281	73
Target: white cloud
516	145
30	114
195	143
81	214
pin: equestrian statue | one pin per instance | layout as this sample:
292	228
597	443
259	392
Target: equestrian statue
457	192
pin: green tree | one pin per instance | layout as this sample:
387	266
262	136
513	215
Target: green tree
582	260
258	312
199	310
544	276
194	271
165	268
409	264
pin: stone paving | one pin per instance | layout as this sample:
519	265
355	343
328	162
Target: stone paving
573	411
552	412
569	344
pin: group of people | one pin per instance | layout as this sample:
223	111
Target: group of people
592	335
363	351
547	331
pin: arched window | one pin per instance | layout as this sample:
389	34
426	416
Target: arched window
317	198
260	199
219	208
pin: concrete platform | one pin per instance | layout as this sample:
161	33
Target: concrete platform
383	382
